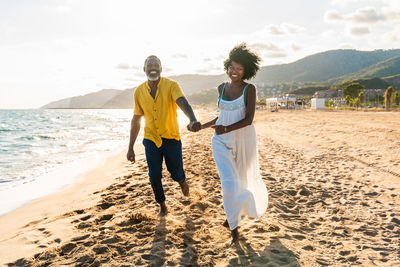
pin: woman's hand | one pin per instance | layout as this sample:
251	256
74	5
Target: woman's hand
220	129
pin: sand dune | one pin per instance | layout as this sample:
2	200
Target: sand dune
334	183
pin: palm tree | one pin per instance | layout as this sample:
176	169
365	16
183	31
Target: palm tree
348	99
361	96
357	102
396	98
388	97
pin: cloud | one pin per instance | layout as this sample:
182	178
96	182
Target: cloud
64	9
60	9
284	28
296	47
393	37
259	47
347	2
357	31
269	50
139	74
332	16
346	46
124	66
277	55
6	29
365	15
180	56
206	59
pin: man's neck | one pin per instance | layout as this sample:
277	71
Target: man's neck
153	84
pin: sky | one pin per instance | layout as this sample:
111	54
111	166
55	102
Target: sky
53	49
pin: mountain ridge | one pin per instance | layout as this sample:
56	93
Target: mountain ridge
334	66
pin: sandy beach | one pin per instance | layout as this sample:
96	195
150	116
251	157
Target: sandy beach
333	181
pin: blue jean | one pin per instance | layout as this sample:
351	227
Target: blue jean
171	150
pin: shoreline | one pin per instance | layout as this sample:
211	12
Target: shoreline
73	196
52	182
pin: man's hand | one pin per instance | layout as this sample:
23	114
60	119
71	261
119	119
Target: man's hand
131	156
194	126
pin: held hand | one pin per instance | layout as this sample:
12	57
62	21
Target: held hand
219	129
194	126
131	156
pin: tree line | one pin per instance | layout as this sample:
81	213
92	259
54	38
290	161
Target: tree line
354	95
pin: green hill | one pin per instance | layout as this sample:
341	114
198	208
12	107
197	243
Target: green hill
324	66
382	69
393	80
374	83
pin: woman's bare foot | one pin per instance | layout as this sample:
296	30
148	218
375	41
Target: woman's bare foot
163	209
185	188
235	236
226	224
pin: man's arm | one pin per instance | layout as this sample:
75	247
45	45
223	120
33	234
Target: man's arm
135	128
187	109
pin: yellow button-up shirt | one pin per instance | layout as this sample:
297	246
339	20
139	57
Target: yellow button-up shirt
161	118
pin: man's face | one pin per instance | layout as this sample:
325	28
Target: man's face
153	69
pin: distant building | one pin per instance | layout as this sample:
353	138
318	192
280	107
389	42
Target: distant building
287	101
317	103
339	101
324	94
373	92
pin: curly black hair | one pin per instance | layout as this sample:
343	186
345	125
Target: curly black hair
243	55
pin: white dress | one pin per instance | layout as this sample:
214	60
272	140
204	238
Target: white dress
235	154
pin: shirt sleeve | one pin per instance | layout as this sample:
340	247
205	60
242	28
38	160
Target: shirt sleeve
176	91
137	109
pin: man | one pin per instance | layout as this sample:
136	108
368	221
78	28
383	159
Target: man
157	100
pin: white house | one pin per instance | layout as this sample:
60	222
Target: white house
317	103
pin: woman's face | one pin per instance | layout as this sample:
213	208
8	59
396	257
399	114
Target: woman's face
236	71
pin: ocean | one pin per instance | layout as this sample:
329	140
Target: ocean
41	151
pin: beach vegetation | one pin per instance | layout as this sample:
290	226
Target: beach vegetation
357	102
388	97
396	98
352	90
361	97
348	99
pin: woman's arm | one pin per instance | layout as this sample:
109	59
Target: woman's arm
209	124
248	119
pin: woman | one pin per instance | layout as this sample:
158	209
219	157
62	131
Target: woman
234	143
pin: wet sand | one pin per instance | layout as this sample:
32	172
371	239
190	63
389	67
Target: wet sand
334	185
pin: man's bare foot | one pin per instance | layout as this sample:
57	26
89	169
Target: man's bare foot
226	224
235	236
163	209
185	188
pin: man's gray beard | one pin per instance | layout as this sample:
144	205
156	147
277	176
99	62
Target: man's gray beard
153	78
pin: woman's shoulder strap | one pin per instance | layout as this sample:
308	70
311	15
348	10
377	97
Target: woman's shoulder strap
222	92
244	93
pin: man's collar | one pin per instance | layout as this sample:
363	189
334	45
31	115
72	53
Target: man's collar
159	82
